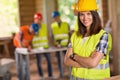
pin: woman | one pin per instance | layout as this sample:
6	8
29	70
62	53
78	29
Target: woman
88	52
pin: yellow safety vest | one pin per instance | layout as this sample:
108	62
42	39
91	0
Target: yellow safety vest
60	33
85	49
41	40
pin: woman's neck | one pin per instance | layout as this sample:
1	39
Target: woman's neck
87	34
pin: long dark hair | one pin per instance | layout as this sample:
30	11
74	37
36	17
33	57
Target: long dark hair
95	27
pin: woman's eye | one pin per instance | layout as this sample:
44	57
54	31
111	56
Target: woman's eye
88	13
81	14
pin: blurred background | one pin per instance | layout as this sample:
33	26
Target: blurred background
15	13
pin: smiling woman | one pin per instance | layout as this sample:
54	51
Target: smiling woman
89	54
8	17
67	14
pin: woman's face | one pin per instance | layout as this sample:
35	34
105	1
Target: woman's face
86	18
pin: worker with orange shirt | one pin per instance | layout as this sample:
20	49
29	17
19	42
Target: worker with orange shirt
24	37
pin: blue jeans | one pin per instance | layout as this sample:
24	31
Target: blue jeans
59	61
39	65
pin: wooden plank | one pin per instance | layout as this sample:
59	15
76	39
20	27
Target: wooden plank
5	44
26	11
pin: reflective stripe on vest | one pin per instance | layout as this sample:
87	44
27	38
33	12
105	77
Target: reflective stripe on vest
40	44
60	32
41	39
102	70
102	66
61	36
64	41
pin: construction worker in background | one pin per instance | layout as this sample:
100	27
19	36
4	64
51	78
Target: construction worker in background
74	8
24	37
88	52
41	41
60	32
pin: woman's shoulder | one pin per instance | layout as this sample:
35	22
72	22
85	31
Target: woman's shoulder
75	34
105	33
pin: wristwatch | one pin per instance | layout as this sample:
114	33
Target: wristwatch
72	57
69	45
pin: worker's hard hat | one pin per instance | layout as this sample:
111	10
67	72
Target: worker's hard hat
35	27
87	5
38	16
55	13
75	6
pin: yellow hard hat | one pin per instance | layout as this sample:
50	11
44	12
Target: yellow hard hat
87	5
74	6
